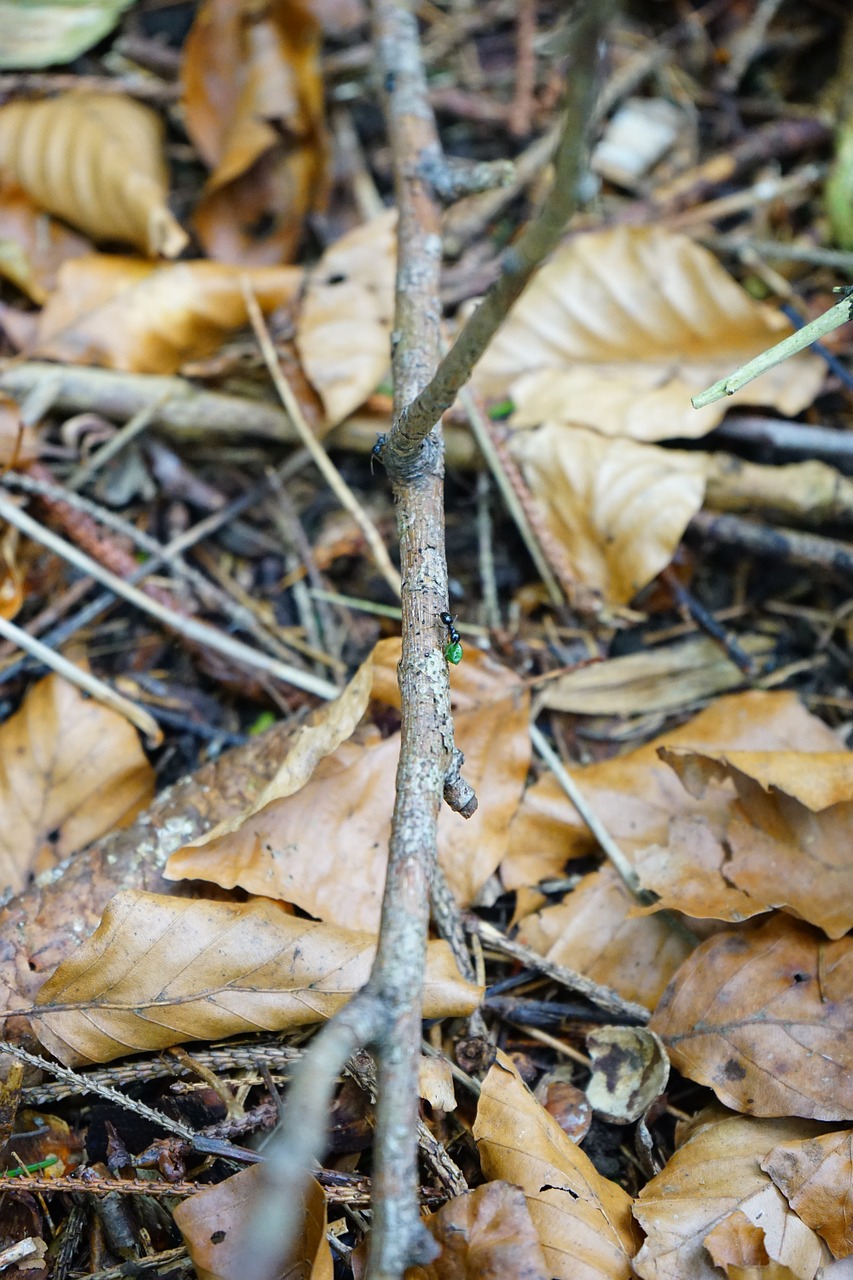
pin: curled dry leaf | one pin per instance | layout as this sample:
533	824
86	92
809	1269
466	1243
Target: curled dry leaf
70	770
764	1018
630	1070
700	1199
435	1083
33	245
592	931
618	509
583	1220
789	834
46	33
125	314
618	330
253	104
290	848
815	1175
96	161
485	1234
214	1223
343	334
158	971
635	795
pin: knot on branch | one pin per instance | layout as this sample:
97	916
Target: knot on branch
458	793
452	178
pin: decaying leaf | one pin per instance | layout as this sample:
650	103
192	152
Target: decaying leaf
485	1234
583	1220
215	1222
708	1186
18	443
291	847
630	1070
70	770
33	245
815	1175
593	932
618	509
618	330
45	33
763	1016
667	677
789	834
343	333
125	314
253	103
688	874
158	971
95	160
635	795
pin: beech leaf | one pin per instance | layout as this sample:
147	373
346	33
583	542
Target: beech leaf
583	1220
764	1018
45	33
125	314
486	1234
33	245
71	769
710	1184
815	1175
620	327
158	971
96	161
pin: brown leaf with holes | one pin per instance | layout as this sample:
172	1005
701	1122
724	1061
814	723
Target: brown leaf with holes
788	837
617	509
215	1221
291	847
33	245
699	1202
636	794
486	1234
70	770
619	328
343	334
125	314
584	1220
815	1175
253	104
594	932
95	160
159	971
764	1016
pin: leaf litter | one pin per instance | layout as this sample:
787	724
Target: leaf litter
734	817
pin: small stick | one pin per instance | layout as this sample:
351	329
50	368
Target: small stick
705	621
84	680
321	459
838	315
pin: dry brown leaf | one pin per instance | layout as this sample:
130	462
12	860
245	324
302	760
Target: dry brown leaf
125	314
325	847
95	160
815	1175
583	1220
158	971
19	444
736	1242
70	770
704	1184
688	874
214	1223
635	795
789	834
33	245
343	334
617	509
630	1071
764	1016
592	931
485	1234
253	104
668	677
435	1083
618	330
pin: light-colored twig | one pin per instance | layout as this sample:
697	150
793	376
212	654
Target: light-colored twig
84	680
838	315
131	429
201	632
327	469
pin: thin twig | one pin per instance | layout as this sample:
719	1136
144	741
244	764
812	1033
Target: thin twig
83	679
328	471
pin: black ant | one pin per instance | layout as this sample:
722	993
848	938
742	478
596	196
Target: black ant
453	650
376	451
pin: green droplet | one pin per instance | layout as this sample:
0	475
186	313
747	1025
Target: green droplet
453	653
